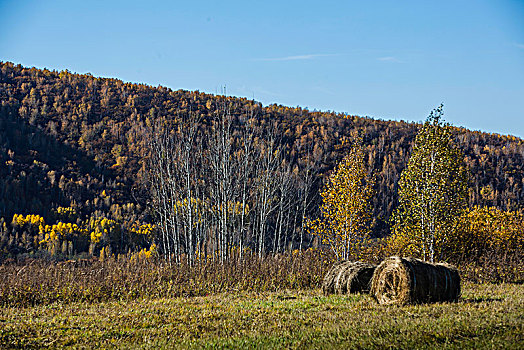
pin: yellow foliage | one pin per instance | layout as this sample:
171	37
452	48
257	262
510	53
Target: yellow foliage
485	229
32	220
60	230
479	231
199	207
145	254
345	209
66	213
143	230
100	227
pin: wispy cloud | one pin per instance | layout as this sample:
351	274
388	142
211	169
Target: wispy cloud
296	58
256	92
519	45
389	59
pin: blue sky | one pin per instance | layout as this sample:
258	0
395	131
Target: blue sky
385	59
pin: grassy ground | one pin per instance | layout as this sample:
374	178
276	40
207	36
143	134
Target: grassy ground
488	316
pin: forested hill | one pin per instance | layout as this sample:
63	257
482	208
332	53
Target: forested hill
77	140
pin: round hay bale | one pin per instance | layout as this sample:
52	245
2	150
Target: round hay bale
411	281
328	284
354	278
348	277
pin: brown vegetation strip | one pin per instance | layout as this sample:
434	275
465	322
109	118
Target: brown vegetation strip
39	282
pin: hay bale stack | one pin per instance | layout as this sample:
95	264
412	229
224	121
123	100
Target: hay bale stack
354	278
411	281
328	284
348	277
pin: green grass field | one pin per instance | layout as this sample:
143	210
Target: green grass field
487	316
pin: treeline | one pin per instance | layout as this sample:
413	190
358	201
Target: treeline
71	140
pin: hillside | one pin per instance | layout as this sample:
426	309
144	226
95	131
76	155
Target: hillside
71	140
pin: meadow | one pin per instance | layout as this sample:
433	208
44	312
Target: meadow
270	303
487	316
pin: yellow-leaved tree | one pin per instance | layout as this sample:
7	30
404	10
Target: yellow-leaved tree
345	212
432	192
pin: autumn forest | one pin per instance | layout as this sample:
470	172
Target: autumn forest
95	167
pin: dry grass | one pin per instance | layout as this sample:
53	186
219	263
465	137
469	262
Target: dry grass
494	268
488	316
270	303
39	282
